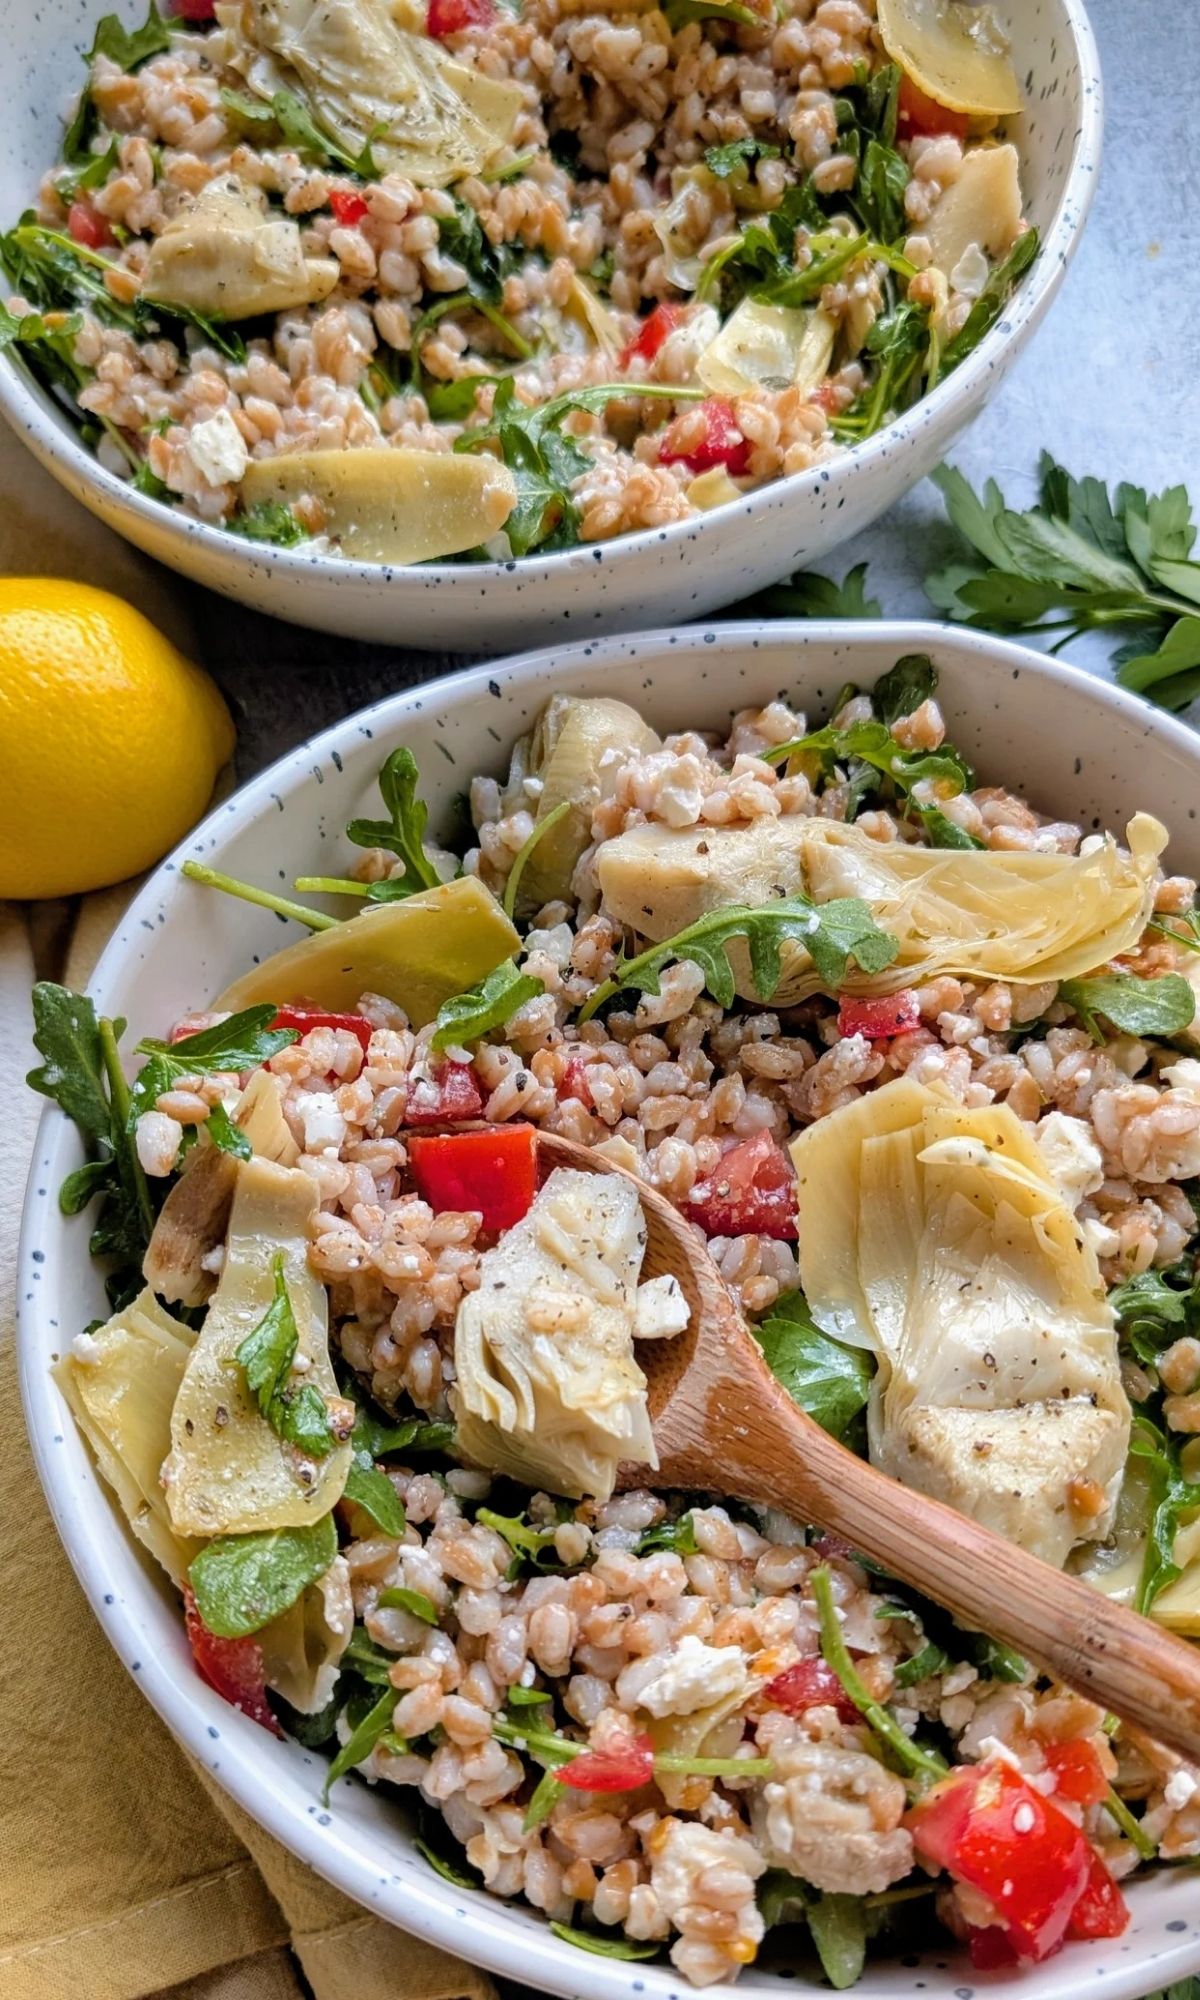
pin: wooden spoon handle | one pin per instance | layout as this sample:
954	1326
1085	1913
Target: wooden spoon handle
1121	1660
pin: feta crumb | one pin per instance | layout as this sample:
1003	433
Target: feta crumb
1071	1155
660	1309
1180	1789
970	274
86	1349
213	1261
218	451
324	1126
694	1677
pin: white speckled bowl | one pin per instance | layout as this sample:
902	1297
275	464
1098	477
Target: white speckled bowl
660	576
1080	749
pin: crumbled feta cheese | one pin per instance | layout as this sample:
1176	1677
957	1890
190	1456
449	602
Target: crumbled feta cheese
85	1348
213	1261
324	1126
1180	1789
694	1677
1072	1157
555	943
970	274
218	451
660	1309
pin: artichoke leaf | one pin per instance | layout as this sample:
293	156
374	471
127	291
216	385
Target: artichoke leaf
227	1471
575	742
385	505
933	1235
121	1383
418	953
302	1648
768	347
549	1392
224	256
372	81
976	913
982	207
956	54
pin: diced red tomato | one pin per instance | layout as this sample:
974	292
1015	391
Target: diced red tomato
449	1097
923	117
990	1949
450	17
878	1020
191	10
347	208
573	1081
721	444
618	1770
305	1019
1078	1773
987	1826
192	1024
809	1684
1101	1911
653	333
233	1668
752	1193
87	226
494	1173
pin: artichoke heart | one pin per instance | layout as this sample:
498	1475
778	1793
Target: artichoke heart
956	54
549	1392
372	82
934	1236
575	744
982	207
976	913
768	347
227	1472
384	505
226	257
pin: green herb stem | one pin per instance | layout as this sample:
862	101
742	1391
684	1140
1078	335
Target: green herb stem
542	828
330	885
1130	1825
924	1765
118	1091
212	878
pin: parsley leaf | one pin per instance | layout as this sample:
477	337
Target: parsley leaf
268	521
244	1041
832	933
296	1412
1136	1006
403	834
242	1582
807	595
226	1136
1171	1498
727	161
905	687
371	1489
369	1721
397	1598
824	1376
469	1016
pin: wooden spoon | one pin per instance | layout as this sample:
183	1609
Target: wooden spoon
722	1424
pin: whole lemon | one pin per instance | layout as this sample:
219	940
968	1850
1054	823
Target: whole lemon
110	740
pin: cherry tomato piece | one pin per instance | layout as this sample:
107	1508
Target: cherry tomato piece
924	118
990	1949
347	208
722	442
619	1770
810	1684
87	226
1101	1911
751	1193
1078	1772
196	11
490	1173
305	1019
450	17
448	1097
891	1014
653	333
233	1668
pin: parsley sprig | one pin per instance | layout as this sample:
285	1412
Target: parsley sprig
296	1411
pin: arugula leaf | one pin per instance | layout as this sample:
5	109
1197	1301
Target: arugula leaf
369	1488
832	933
46	342
67	1034
130	47
368	1723
1137	1006
529	1545
726	161
828	1379
898	344
920	1666
523	1697
1156	1308
462	237
297	127
397	1598
468	1017
1172	1496
226	1136
403	834
448	1871
543	1799
838	1927
924	1766
617	1946
678	1536
55	274
381	1440
268	521
807	595
782	1898
242	1582
369	1661
244	1041
991	301
995	1661
905	687
93	169
313	1731
298	1413
872	744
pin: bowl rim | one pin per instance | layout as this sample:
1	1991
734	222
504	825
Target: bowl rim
432	1909
46	427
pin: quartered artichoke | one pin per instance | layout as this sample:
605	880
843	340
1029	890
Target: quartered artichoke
225	256
564	757
370	82
549	1392
385	504
973	912
934	1236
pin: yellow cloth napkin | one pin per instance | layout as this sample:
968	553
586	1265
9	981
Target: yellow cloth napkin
122	1873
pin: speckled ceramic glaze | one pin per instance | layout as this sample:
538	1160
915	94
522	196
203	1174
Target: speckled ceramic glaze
1079	749
669	574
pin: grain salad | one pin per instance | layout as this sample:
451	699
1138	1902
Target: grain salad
473	278
370	1392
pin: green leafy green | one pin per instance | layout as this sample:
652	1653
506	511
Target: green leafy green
991	302
242	1582
369	1661
244	1041
1173	1498
1082	559
995	1661
920	1666
369	1488
92	169
46	341
268	521
838	1926
833	934
289	115
523	1697
532	1547
381	1440
904	688
130	47
398	1598
541	828
81	1072
403	833
807	595
614	1945
468	1017
828	1379
543	1799
461	235
1156	1308
728	161
449	1872
679	1536
1136	1006
55	274
226	1136
898	345
923	1766
368	1722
